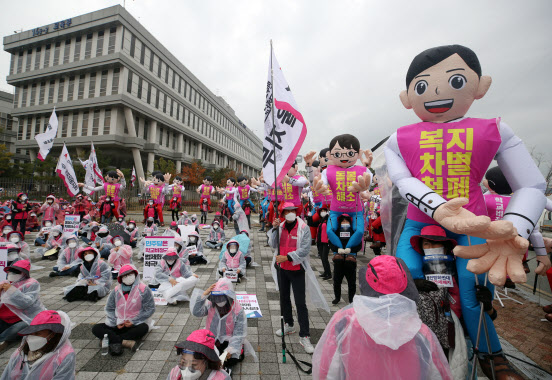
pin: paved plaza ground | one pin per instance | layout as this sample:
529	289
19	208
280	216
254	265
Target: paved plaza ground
520	325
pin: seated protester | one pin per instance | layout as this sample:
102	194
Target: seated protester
13	254
121	221
103	242
233	260
32	222
120	255
381	324
183	218
7	221
90	233
45	352
173	230
128	312
68	263
216	236
344	259
198	358
196	257
195	222
84	226
4	235
132	231
94	280
225	319
44	232
180	247
18	239
221	219
55	240
150	229
19	301
174	277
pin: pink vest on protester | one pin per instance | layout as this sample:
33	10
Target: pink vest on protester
339	180
127	309
243	192
450	158
230	319
175	271
47	367
496	205
112	190
232	262
292	193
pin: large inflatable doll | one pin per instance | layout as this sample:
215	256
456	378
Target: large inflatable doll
345	180
157	189
437	165
115	182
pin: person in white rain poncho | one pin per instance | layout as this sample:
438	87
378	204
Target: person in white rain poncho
18	239
94	280
195	256
45	352
128	312
68	263
19	301
121	254
380	334
172	230
13	253
232	260
103	242
216	236
225	319
55	240
174	277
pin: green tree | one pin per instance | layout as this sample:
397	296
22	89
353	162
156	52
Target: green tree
165	166
6	165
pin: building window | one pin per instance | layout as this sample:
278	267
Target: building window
61	89
37	126
172	107
139	95
92	86
115	83
142	54
74	124
174	141
149	93
64	125
41	93
12	63
129	83
167	74
66	51
33	95
165	104
100	43
47	56
157	100
132	45
177	111
107	121
28	129
146	129
29	59
84	131
20	131
103	83
51	91
159	67
20	62
76	56
160	136
37	58
96	123
71	89
56	53
173	79
81	86
88	46
179	85
112	38
151	61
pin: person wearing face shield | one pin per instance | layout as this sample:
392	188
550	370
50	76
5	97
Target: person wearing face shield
50	208
45	352
232	260
121	254
132	231
68	263
20	210
103	242
174	277
128	312
94	280
55	240
19	301
121	221
225	319
44	232
216	236
90	233
194	241
18	239
198	359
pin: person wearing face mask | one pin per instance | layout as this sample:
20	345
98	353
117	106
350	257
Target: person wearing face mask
173	230
13	253
216	236
32	223
232	260
18	239
50	208
194	241
107	208
292	241
246	246
80	206
150	211
320	220
19	301
174	277
45	352
198	359
195	221
128	312
44	232
121	221
68	263
4	222
55	240
121	254
378	236
94	280
90	233
20	210
344	259
4	235
183	218
225	319
103	242
132	231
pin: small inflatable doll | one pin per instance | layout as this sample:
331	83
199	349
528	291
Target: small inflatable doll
206	190
114	183
229	192
176	201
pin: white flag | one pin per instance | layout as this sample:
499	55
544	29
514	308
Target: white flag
98	178
89	175
66	172
133	176
281	144
46	140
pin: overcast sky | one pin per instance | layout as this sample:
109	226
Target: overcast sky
345	60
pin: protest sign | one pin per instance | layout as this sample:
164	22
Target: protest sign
154	249
71	224
185	231
231	275
442	280
159	299
250	305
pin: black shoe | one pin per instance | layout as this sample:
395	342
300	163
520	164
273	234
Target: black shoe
327	277
53	274
336	301
323	274
116	349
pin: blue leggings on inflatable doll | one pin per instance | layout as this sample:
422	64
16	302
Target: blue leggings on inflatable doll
357	226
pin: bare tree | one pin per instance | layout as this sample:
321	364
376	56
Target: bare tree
538	156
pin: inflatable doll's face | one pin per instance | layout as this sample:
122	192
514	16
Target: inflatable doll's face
375	180
229	183
343	157
157	181
177	182
445	91
242	183
206	182
292	171
112	179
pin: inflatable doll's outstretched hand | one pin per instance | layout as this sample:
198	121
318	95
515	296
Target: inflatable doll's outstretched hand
309	157
367	159
500	258
361	184
320	187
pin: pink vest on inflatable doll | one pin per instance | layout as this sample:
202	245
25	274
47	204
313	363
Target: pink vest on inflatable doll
450	158
156	193
205	191
292	193
496	205
280	193
243	192
229	196
339	180
112	190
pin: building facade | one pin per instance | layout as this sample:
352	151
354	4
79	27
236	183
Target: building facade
8	126
112	83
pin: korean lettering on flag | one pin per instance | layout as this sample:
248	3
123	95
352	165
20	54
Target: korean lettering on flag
46	140
66	172
282	143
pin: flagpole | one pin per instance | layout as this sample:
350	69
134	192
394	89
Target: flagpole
276	205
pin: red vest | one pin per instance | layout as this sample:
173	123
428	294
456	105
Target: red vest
288	243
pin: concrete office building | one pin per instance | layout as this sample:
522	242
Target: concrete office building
114	84
8	126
